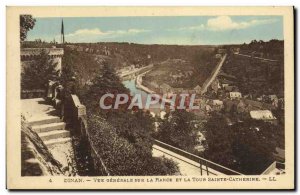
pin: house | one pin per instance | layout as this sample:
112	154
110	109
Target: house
235	95
217	104
197	89
262	115
224	85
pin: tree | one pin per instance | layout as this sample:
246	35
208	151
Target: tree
122	137
178	130
27	23
106	81
219	138
246	147
37	74
253	145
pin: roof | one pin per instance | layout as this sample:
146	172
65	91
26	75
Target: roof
262	115
197	87
235	94
217	102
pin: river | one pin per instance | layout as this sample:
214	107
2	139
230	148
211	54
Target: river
131	85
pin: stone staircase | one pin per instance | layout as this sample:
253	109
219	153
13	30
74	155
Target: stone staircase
51	130
43	119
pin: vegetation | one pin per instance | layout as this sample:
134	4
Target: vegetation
37	74
246	147
120	156
257	77
272	49
179	130
123	138
27	23
200	66
81	65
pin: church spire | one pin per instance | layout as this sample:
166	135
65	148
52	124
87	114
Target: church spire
62	32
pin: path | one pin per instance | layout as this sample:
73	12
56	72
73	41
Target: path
208	81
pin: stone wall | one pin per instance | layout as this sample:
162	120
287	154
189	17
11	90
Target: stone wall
28	55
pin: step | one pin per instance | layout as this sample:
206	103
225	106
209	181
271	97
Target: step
44	120
57	141
55	134
49	127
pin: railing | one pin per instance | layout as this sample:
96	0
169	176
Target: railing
79	123
202	161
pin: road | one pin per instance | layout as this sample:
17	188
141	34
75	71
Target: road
208	81
263	59
136	70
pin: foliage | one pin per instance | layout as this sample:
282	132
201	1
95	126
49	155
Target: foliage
121	137
178	130
81	65
120	156
246	147
219	139
106	81
27	23
37	74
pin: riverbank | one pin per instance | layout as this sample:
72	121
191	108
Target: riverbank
139	85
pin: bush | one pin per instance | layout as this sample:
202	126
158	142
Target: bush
120	156
39	72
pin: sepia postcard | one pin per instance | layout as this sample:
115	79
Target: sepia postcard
150	98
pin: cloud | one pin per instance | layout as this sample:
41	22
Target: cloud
192	28
99	32
96	34
223	23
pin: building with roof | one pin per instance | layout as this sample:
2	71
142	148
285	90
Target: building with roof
235	95
262	115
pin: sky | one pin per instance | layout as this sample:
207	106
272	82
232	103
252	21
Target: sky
179	30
